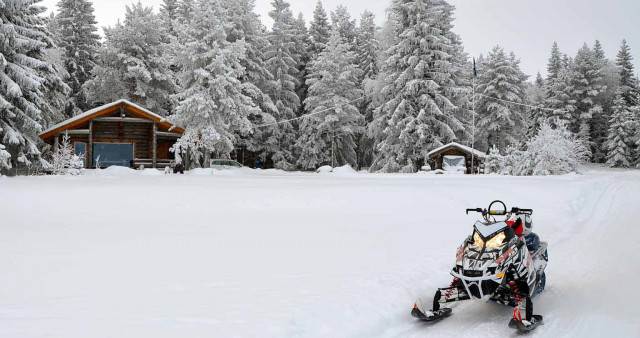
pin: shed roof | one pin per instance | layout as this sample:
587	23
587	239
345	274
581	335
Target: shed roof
95	112
464	148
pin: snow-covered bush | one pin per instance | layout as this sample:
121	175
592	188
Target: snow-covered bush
494	161
553	151
5	158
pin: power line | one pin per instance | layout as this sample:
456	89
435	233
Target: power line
305	116
521	104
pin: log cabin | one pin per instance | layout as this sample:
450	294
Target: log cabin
119	133
437	156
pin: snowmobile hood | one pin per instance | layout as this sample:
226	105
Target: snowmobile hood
489	230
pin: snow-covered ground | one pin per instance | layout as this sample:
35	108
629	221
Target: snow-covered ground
272	254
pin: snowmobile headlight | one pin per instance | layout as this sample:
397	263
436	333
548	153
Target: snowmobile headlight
496	241
477	240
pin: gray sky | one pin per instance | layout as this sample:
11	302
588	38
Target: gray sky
527	27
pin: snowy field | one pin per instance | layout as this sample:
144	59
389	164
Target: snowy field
270	254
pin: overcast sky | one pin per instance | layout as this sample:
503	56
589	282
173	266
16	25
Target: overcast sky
527	27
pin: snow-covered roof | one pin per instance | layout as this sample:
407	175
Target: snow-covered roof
464	148
99	109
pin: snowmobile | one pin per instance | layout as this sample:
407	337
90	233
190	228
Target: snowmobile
494	264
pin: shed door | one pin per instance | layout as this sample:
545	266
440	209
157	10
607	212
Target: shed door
120	154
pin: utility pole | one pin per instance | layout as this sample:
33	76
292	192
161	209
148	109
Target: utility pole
473	130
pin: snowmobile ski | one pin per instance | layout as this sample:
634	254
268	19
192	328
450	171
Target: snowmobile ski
525	326
431	316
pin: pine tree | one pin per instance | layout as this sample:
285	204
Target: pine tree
212	108
586	87
368	47
628	79
301	56
169	16
330	137
620	138
368	51
417	112
23	81
500	123
341	20
282	65
494	161
56	91
133	64
245	25
80	42
319	31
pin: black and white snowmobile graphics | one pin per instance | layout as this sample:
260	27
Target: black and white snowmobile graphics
494	264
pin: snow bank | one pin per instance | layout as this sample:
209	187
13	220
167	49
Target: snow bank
324	169
151	172
113	170
345	170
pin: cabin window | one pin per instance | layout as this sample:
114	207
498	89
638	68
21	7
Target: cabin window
108	154
80	149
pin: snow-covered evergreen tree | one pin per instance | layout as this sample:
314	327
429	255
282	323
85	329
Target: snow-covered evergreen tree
23	81
500	123
586	86
169	16
282	65
319	31
346	26
134	64
301	56
245	25
417	112
620	144
80	41
212	108
628	79
329	136
56	91
368	52
368	47
494	161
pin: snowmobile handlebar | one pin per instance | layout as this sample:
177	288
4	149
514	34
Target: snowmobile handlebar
475	210
518	211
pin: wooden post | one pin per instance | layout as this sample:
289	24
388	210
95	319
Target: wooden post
186	159
56	143
90	145
155	145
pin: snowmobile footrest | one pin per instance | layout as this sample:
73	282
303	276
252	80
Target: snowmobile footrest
520	326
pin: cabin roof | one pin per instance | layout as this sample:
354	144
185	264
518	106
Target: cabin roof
99	111
459	146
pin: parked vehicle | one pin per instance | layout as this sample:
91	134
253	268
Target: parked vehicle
224	164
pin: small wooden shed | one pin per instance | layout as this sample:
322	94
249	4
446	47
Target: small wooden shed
119	133
457	149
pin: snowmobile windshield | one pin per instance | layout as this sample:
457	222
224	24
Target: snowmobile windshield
488	230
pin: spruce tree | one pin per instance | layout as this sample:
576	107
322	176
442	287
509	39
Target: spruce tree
341	20
319	31
620	139
80	41
283	66
24	77
330	137
212	107
500	123
628	79
256	80
417	112
586	87
134	64
169	16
